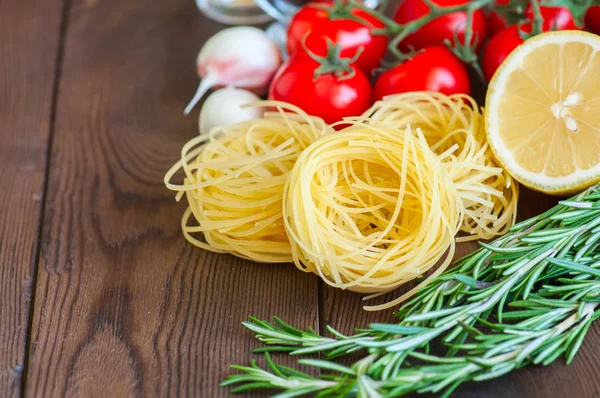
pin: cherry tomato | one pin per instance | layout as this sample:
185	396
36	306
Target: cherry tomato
555	18
496	22
319	24
327	96
499	47
435	32
592	19
433	69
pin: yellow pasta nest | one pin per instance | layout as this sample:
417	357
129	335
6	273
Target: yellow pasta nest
234	178
455	130
367	208
370	208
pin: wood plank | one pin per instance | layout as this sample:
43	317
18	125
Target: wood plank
124	306
343	311
28	58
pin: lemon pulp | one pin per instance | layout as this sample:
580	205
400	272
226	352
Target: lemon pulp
543	112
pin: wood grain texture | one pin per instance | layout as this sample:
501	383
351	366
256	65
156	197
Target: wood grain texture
342	310
29	31
124	306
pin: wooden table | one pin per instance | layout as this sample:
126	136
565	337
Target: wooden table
100	295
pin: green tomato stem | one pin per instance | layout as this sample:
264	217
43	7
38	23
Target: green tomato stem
538	19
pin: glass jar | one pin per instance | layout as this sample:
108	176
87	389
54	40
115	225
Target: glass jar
251	12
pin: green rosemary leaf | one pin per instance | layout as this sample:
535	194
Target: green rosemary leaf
335	332
451	389
524	314
595	299
533	278
294	372
347	351
430	315
297	392
397	329
366	388
453	344
334	367
455	334
570	285
473	332
319	348
502	370
395	359
550	236
415	341
554	232
580	309
467	280
287	327
576	344
400	390
263	331
573	266
272	366
560	350
507	346
573	215
273	349
233	379
482	362
250	386
260	322
547	350
435	359
500	311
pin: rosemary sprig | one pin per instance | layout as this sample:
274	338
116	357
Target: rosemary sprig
528	297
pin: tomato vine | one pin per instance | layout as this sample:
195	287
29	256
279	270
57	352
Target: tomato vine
512	10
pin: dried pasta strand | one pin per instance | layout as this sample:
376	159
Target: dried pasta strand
234	178
370	208
455	130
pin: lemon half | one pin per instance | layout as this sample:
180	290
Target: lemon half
543	112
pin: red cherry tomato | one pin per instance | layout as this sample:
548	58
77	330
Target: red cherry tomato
327	96
499	47
435	32
555	18
496	22
592	19
319	24
434	69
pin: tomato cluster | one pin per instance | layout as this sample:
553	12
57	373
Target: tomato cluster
330	95
336	50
